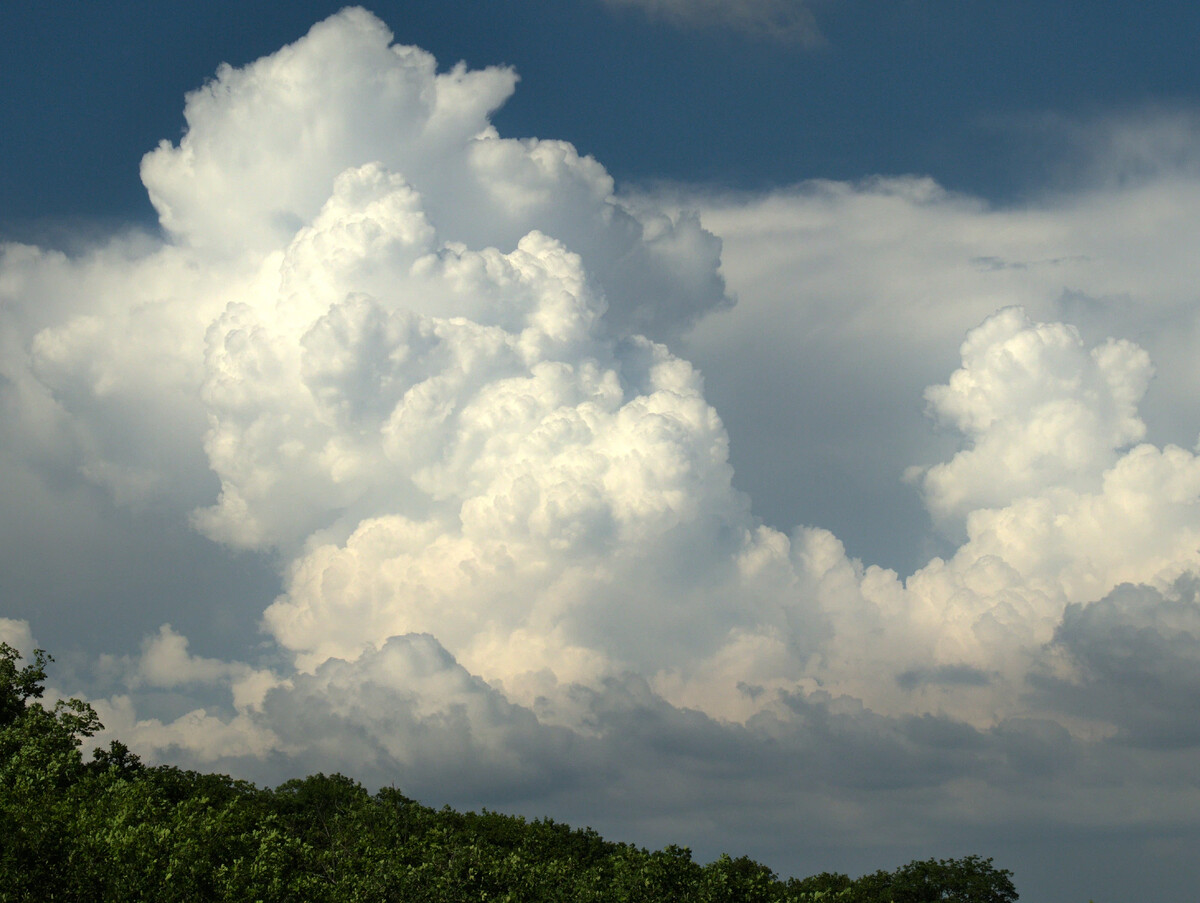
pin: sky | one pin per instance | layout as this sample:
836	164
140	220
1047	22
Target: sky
761	426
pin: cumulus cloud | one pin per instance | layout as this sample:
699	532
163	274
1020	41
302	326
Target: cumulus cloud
1134	661
446	420
782	20
17	634
256	169
291	173
1038	410
197	736
1047	526
853	298
166	662
435	375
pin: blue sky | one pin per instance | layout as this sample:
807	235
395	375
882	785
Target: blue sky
762	427
942	87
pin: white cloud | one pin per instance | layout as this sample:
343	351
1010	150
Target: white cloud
197	736
265	142
426	404
436	374
18	635
1038	410
166	662
854	298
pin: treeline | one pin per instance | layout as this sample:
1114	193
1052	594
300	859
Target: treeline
113	829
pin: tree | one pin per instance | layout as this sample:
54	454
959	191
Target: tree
19	685
39	764
115	829
968	880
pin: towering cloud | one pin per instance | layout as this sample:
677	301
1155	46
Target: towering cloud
434	375
1040	412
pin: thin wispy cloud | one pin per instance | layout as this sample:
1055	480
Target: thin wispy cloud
778	20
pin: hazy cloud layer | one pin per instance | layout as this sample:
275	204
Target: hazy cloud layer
433	376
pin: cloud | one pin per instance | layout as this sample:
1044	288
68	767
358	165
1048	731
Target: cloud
1038	409
853	298
649	576
104	370
17	634
197	737
344	96
1049	527
417	400
1135	657
1118	148
166	662
781	20
342	91
441	380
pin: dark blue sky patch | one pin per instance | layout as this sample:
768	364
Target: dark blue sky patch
932	87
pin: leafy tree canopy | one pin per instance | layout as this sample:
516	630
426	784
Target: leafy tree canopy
115	829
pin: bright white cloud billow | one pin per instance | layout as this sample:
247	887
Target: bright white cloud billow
435	376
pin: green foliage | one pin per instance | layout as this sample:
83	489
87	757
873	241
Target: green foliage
40	766
827	887
115	829
17	686
969	880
